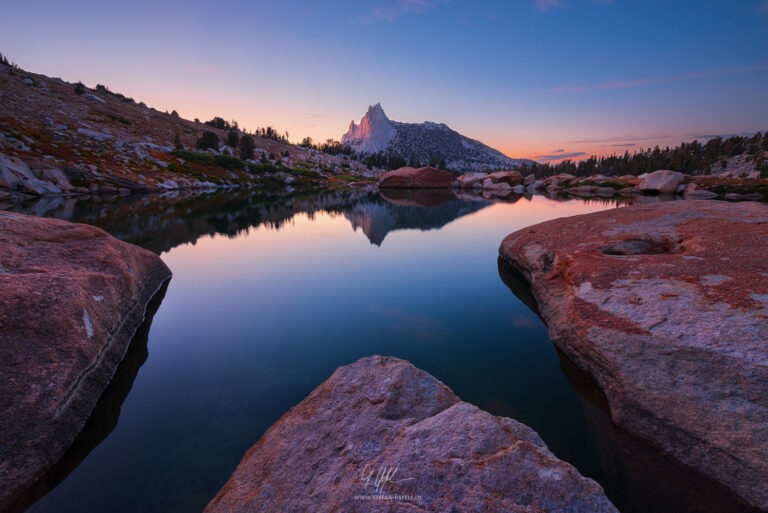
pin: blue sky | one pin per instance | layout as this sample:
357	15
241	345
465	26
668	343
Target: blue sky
528	77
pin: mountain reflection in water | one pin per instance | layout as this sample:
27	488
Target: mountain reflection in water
162	222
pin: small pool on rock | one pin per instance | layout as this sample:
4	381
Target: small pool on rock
270	294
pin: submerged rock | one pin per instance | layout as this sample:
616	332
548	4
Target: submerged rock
71	298
423	177
381	416
693	191
665	306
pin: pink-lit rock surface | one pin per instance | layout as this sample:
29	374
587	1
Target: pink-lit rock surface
71	298
382	412
423	177
666	306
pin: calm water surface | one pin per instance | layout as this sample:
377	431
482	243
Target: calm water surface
269	296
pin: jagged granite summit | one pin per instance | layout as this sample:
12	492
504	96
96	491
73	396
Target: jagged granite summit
422	142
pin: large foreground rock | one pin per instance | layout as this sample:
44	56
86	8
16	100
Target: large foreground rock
71	298
423	177
442	454
666	306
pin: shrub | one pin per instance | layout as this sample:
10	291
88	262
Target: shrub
205	159
228	162
263	169
207	140
218	122
300	171
119	119
177	142
79	88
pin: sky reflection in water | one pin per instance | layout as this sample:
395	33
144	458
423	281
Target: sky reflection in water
254	319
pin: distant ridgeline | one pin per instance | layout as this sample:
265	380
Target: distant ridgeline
380	142
691	158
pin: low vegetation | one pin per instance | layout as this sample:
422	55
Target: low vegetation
229	162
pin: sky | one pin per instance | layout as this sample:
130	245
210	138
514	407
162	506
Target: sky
543	79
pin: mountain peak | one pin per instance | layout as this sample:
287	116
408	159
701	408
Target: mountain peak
373	134
376	111
422	143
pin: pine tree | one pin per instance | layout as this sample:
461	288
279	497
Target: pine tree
246	147
232	139
177	142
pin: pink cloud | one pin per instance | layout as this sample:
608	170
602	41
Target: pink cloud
658	80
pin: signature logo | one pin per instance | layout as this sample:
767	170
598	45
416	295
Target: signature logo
378	480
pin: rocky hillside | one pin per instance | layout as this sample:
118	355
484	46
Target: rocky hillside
420	143
57	137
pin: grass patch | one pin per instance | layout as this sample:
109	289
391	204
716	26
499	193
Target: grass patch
229	162
349	178
300	171
206	159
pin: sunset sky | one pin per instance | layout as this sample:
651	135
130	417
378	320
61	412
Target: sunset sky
532	78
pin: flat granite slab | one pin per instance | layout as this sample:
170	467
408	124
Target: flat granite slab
666	307
71	298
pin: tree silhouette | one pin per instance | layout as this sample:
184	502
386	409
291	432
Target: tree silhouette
246	147
232	139
208	140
